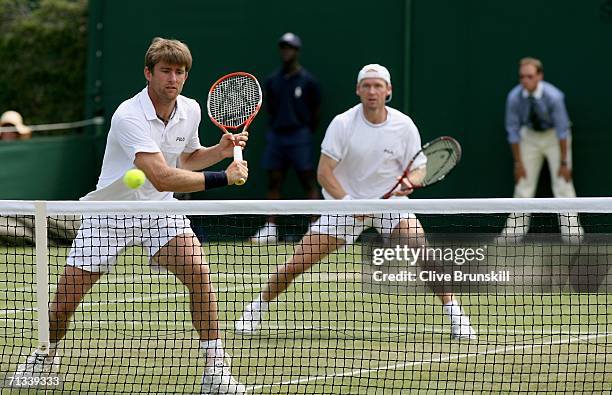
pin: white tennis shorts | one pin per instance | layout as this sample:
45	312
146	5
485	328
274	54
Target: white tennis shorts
102	238
348	228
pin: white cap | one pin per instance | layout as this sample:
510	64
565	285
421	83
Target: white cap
15	119
374	71
290	39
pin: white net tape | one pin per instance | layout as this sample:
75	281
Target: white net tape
225	207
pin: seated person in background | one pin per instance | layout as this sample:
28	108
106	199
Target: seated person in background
12	119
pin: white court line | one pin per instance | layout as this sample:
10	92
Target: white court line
404	328
104	280
364	371
110	279
454	357
186	324
306	278
158	297
119	280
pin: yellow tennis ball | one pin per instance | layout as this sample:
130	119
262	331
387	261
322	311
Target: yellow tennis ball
134	178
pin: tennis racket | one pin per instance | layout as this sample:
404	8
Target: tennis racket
442	155
233	102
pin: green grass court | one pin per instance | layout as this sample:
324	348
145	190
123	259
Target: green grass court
133	334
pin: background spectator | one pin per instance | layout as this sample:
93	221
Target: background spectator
15	120
292	99
538	128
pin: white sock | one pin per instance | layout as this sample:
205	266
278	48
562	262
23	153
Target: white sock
453	310
259	305
214	351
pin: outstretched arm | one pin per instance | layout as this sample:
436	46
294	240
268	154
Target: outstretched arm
171	179
208	156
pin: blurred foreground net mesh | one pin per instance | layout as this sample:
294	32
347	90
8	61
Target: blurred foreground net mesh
365	320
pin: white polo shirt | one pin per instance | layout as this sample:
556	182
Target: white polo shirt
136	128
370	156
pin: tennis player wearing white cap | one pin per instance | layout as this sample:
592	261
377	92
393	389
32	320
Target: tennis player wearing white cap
363	150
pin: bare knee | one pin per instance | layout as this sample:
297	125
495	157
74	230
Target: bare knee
61	312
196	277
71	288
409	232
293	270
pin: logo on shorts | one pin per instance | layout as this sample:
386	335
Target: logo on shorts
388	151
298	92
180	138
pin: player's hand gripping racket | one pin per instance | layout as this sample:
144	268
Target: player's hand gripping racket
233	102
442	154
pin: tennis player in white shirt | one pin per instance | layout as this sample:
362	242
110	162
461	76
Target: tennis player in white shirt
363	151
157	132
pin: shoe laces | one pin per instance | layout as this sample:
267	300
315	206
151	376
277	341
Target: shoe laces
38	358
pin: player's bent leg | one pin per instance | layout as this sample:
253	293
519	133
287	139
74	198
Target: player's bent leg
313	248
73	285
183	257
411	233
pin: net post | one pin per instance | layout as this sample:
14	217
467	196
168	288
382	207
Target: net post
42	275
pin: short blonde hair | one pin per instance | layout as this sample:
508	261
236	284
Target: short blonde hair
171	51
537	63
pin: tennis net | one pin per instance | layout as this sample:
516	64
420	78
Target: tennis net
532	310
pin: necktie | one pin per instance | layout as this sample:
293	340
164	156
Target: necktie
534	118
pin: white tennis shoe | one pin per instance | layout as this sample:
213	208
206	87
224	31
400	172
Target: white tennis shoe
461	328
36	365
218	379
250	321
266	234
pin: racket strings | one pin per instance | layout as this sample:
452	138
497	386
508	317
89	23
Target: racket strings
442	156
234	100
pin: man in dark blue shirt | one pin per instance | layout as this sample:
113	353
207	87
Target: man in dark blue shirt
538	128
292	99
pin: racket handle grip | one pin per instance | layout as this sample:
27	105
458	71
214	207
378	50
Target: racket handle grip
238	156
237	152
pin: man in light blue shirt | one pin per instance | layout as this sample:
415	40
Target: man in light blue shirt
538	128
